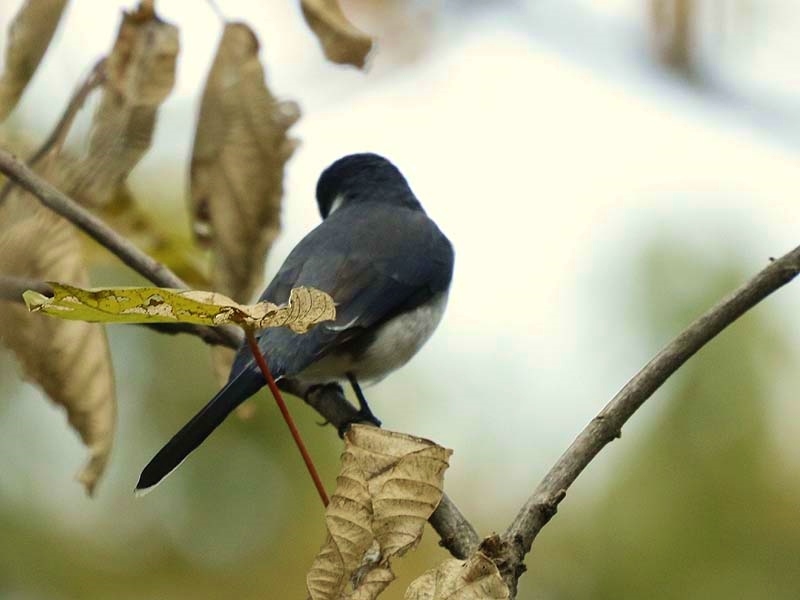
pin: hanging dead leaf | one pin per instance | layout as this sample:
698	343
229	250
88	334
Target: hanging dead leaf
29	35
305	308
140	73
389	484
70	361
236	181
476	578
240	150
341	41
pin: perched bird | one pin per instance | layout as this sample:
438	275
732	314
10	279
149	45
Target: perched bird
387	266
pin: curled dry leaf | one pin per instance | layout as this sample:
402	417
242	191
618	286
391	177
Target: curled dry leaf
305	308
29	35
240	150
70	361
341	41
140	73
389	484
476	578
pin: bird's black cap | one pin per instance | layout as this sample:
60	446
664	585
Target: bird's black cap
359	177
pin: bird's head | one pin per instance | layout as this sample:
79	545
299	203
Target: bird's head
360	178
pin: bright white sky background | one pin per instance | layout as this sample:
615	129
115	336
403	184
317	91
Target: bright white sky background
548	147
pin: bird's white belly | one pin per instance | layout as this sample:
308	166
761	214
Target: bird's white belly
394	344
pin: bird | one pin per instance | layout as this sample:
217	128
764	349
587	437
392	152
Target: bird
388	268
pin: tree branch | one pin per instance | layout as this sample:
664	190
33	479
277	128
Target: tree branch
11	288
55	140
61	204
95	78
607	425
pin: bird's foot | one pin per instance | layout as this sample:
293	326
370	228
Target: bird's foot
342	421
364	414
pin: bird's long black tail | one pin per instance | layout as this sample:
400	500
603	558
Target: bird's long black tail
191	435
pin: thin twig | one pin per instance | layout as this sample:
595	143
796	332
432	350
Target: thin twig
217	11
129	254
607	425
261	361
55	140
11	288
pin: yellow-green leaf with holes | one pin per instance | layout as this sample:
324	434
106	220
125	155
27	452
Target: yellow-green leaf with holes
306	307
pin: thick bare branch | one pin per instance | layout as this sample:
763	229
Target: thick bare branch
606	426
11	288
457	534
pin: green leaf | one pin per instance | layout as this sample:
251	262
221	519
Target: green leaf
306	307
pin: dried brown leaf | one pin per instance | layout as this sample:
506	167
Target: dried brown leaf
240	150
69	360
476	578
374	582
389	484
341	41
29	35
140	73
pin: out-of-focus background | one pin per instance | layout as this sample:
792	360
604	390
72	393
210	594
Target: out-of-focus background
606	169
